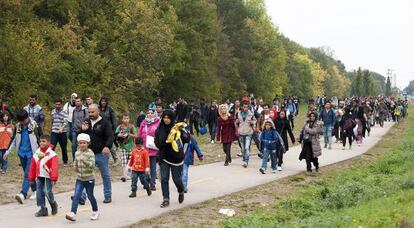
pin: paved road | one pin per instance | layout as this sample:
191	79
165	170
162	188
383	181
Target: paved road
206	182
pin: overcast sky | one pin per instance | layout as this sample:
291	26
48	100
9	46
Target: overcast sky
374	34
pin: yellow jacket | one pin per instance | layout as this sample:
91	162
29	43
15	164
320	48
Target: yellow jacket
175	135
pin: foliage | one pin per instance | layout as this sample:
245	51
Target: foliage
134	51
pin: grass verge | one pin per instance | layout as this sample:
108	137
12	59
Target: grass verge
378	193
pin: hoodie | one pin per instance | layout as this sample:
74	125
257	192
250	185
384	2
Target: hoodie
269	138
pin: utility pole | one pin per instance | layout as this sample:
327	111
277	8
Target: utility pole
395	80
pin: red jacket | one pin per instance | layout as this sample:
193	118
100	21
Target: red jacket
6	135
226	130
47	166
139	161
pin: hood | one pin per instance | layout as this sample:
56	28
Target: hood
271	123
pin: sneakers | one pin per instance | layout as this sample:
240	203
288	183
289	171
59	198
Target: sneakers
149	192
239	155
262	171
212	141
133	195
226	163
3	172
274	171
71	216
181	197
33	196
54	207
95	215
20	198
343	148
245	165
42	212
153	188
165	203
330	147
279	168
107	200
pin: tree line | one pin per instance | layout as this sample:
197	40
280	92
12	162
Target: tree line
134	51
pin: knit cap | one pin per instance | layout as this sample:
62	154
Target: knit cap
84	137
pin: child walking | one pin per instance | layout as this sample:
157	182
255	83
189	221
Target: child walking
189	159
85	168
125	133
269	140
6	135
44	168
140	166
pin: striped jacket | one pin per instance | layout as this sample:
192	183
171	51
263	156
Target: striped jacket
59	118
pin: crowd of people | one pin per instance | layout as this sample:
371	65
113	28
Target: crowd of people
163	136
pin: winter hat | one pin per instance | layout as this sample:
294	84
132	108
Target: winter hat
84	137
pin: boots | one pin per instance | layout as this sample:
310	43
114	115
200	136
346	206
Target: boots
42	212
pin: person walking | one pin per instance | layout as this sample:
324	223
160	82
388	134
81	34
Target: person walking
80	113
347	125
26	144
212	120
36	112
170	160
246	124
226	131
328	117
147	131
282	126
108	113
59	128
69	107
311	147
101	140
6	137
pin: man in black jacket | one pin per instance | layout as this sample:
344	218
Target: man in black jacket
108	113
102	138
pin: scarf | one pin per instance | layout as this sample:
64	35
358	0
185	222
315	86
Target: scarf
152	119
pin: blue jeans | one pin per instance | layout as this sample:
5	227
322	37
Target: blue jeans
245	142
185	176
212	130
327	133
153	170
102	161
3	162
134	180
44	189
25	162
176	172
79	187
74	144
273	158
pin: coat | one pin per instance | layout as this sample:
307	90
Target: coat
283	128
246	126
46	166
315	134
226	130
148	130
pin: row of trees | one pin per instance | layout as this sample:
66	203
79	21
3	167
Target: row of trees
134	51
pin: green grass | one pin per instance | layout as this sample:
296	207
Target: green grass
379	193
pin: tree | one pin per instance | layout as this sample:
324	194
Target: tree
410	88
367	84
388	90
358	83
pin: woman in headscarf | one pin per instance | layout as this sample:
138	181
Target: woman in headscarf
169	159
283	128
147	133
311	145
226	131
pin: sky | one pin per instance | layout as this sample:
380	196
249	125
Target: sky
373	34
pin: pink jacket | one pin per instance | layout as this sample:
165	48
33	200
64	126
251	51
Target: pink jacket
151	132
